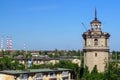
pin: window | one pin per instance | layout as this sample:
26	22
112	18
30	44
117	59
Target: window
105	42
39	76
102	43
89	43
95	54
85	42
96	42
23	76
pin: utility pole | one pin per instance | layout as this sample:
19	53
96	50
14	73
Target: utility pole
84	26
25	56
116	56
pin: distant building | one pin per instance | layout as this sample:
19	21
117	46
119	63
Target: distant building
37	60
36	74
96	46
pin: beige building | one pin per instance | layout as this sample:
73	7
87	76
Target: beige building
36	74
37	60
96	46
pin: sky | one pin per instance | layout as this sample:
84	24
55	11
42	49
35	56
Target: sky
56	24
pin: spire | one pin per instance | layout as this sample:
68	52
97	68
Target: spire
95	14
95	18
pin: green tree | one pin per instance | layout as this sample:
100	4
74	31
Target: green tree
94	75
85	73
68	64
9	64
94	71
113	71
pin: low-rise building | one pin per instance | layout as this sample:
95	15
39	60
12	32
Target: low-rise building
36	74
37	60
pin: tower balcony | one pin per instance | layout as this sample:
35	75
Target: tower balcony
94	48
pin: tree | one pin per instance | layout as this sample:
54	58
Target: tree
113	71
94	71
9	64
94	75
82	67
68	64
2	53
85	73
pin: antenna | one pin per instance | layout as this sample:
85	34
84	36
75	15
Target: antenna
84	26
1	43
9	43
95	14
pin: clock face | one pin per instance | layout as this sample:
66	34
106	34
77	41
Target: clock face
95	27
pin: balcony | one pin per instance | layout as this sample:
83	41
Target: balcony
94	47
91	48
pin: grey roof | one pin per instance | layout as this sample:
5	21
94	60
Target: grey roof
13	72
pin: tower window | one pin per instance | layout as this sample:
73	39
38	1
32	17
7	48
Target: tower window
102	43
85	42
95	42
105	42
95	54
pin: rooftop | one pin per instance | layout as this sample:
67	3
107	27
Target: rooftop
13	72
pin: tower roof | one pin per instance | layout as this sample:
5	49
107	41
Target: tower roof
95	19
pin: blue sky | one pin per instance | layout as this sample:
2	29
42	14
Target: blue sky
56	24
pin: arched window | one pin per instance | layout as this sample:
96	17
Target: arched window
95	54
85	42
106	42
96	42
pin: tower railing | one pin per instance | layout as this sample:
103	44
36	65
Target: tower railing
96	47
